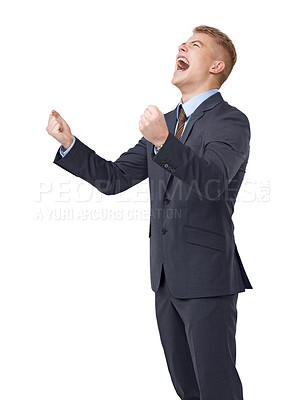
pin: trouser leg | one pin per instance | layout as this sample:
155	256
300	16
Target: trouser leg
175	345
210	325
198	337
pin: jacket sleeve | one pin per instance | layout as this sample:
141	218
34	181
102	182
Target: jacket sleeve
107	176
226	149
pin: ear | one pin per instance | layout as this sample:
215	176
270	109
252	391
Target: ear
217	67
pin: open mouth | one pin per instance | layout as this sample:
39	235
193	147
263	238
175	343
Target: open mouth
182	64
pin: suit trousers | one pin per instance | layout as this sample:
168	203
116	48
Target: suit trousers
198	339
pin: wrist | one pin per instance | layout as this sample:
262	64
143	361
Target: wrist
160	144
68	143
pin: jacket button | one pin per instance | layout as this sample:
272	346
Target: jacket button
167	201
166	165
164	231
173	170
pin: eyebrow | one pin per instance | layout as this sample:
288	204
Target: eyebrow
194	41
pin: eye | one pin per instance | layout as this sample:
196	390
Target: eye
196	44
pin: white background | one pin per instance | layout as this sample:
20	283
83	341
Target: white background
77	317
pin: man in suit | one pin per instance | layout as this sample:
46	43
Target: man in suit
195	157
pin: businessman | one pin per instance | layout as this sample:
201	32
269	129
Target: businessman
195	157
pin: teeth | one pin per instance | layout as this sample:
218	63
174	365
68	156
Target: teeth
184	60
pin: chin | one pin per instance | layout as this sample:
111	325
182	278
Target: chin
176	80
179	83
175	83
180	78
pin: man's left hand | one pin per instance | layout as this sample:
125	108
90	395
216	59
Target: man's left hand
153	126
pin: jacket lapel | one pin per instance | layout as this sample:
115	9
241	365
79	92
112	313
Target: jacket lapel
206	105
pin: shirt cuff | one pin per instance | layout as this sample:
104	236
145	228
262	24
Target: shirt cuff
64	151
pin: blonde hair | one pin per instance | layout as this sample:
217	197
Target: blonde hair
225	47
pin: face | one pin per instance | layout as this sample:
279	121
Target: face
193	62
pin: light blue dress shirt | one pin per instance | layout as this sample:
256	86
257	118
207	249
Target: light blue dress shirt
189	107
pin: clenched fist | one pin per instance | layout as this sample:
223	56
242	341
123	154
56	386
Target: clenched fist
59	129
153	126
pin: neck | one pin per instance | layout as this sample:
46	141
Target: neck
188	93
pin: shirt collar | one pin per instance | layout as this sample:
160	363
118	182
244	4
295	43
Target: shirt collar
193	103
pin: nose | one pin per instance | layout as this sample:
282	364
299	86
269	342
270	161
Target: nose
182	47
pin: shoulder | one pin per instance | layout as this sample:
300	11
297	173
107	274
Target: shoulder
226	123
226	110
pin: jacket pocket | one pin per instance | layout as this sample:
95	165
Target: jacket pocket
204	238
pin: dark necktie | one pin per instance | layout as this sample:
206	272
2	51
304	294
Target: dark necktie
181	123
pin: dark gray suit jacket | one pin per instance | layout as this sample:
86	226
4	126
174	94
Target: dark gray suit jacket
193	184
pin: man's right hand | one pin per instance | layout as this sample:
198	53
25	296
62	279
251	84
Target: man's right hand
59	129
